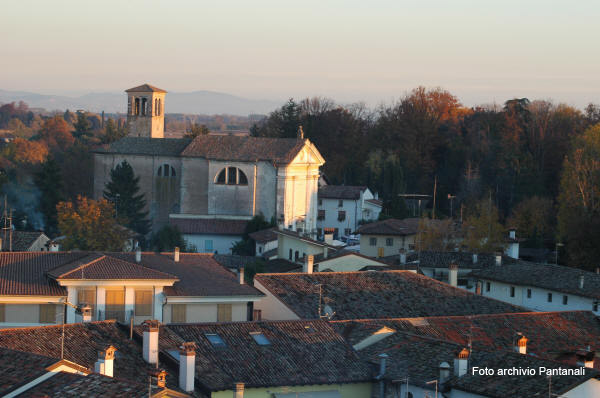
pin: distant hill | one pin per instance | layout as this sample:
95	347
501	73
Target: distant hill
195	102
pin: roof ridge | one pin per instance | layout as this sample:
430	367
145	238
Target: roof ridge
8	330
102	256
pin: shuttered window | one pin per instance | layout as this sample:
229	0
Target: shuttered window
143	303
223	312
2	313
47	313
178	313
87	296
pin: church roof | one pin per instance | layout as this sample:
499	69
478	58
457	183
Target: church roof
146	146
244	149
145	88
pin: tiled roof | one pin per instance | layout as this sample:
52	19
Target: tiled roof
145	88
199	275
299	353
244	149
217	226
264	236
391	226
435	259
375	202
18	368
296	235
376	294
146	146
100	266
21	240
82	343
551	334
340	192
24	273
547	276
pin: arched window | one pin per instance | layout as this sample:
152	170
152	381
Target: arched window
159	107
166	171
231	176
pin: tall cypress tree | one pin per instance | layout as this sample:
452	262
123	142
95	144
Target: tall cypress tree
49	181
123	190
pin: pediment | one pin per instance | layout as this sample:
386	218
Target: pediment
308	155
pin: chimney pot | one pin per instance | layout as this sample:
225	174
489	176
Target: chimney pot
105	363
474	258
498	259
461	362
585	357
521	345
161	377
238	390
86	313
241	275
581	281
150	343
309	264
512	233
187	366
176	255
444	372
453	274
138	255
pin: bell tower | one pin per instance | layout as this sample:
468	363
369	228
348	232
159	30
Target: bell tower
145	111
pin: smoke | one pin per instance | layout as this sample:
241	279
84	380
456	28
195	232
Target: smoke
24	199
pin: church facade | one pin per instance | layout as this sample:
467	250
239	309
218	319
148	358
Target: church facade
213	177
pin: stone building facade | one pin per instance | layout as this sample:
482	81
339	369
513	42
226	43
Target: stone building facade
145	111
214	176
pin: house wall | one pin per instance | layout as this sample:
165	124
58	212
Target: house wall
589	389
221	244
454	393
539	298
286	243
26	314
265	247
194	186
271	308
399	389
348	263
353	215
207	312
39	244
357	390
406	242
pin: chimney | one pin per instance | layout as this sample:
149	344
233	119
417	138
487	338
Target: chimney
453	274
581	281
328	236
54	247
325	251
86	313
521	345
187	366
151	341
585	357
478	287
308	264
402	256
138	255
105	363
512	233
382	359
238	390
498	258
474	258
161	377
241	275
444	372
176	255
461	362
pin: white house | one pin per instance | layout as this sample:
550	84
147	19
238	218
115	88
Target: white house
342	207
294	247
265	242
210	234
386	238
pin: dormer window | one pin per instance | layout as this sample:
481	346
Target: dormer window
231	176
260	338
215	340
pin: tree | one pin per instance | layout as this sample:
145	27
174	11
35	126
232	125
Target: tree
195	130
123	190
88	224
82	125
56	134
167	239
534	220
247	246
482	229
112	132
50	183
24	152
437	235
579	200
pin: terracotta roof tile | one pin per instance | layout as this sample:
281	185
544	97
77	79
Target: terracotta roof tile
216	226
146	146
21	240
145	88
340	192
391	226
20	367
376	294
264	236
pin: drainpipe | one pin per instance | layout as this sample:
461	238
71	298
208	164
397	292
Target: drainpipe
382	359
254	191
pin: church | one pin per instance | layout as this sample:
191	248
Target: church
212	184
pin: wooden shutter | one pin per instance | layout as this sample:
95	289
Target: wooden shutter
380	252
115	305
143	303
87	296
47	313
178	313
223	312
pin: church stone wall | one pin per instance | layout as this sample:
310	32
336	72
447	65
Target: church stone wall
234	200
194	186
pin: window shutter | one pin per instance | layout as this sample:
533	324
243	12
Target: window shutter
223	312
2	313
143	303
47	313
178	313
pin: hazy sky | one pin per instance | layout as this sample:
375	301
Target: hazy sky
482	51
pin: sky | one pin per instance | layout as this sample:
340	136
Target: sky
373	51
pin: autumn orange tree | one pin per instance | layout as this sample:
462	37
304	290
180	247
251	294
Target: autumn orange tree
56	134
90	224
23	152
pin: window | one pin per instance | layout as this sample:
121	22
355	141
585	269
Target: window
178	313
336	233
319	231
409	395
340	203
208	246
47	313
380	252
143	302
87	296
389	241
159	107
223	312
136	110
549	297
372	241
528	293
2	313
320	202
595	306
256	315
512	291
341	215
259	249
215	340
166	171
115	305
296	255
565	300
291	254
321	215
487	286
260	338
347	231
231	176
